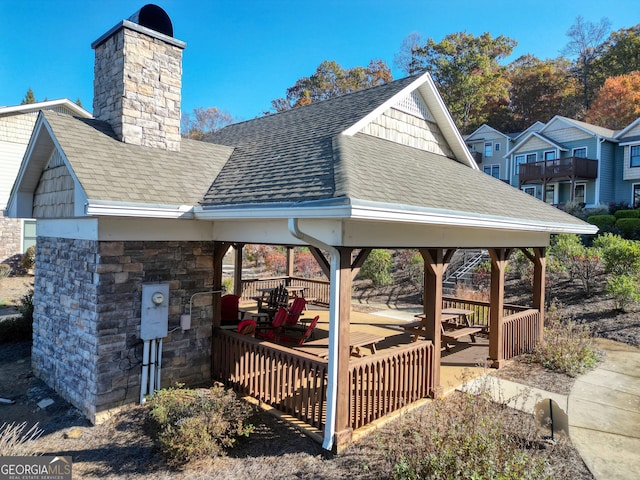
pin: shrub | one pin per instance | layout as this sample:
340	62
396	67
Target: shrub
603	222
191	424
620	256
567	346
465	436
626	214
18	329
275	261
227	284
26	307
5	271
15	441
576	209
629	226
377	268
29	258
624	289
306	265
563	248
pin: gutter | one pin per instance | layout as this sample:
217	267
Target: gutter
121	209
334	309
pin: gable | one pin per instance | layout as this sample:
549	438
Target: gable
54	195
533	143
633	132
410	123
562	132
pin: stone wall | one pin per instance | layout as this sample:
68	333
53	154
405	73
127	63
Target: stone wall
10	241
87	317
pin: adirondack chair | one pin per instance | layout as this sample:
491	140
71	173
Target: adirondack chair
295	311
272	332
297	341
229	309
278	297
247	327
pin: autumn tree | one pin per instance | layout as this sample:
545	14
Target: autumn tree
204	121
585	39
331	80
540	89
617	103
467	71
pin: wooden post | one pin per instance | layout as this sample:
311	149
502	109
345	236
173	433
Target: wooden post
499	259
237	270
290	262
435	263
539	276
343	430
220	249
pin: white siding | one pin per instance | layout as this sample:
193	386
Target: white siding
629	173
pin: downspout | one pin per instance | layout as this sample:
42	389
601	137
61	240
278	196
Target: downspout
334	309
599	141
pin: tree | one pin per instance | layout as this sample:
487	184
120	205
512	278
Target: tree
468	73
29	98
617	103
204	121
540	89
585	39
331	80
619	54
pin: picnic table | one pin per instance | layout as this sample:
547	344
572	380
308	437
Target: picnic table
357	340
457	319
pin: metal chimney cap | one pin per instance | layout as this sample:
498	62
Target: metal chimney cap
153	17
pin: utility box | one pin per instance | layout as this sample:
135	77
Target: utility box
155	311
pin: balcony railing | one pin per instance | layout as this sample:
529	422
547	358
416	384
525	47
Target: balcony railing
571	168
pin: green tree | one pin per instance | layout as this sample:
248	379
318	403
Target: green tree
540	89
619	54
377	268
468	73
29	98
331	80
204	121
585	40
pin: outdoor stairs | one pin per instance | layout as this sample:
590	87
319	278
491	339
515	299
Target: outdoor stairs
461	267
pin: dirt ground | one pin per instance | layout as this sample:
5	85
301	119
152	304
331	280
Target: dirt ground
120	448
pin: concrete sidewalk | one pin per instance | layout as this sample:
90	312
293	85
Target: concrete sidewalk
603	410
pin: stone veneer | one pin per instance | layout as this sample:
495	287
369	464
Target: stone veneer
87	317
10	241
137	86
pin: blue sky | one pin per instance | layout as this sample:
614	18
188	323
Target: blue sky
242	54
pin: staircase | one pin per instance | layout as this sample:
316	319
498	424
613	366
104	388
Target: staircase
461	267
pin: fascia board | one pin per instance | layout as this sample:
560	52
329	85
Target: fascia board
387	213
118	209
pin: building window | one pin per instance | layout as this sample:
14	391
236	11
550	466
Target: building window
579	193
580	152
635	155
636	195
497	147
493	170
28	234
549	194
531	157
488	149
530	190
519	160
550	155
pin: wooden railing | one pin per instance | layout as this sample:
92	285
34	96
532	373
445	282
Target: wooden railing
520	333
568	167
389	380
316	289
295	382
480	309
290	381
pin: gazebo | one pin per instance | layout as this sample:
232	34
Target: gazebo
122	202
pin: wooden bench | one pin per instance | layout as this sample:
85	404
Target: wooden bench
457	334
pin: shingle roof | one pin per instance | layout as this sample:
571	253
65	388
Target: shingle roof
382	171
110	170
288	156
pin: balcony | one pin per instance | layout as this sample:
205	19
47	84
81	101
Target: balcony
569	168
477	156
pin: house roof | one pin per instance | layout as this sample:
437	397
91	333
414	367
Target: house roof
111	171
279	165
63	103
622	133
542	137
482	128
584	126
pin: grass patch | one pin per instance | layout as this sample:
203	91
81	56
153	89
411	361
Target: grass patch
191	424
17	440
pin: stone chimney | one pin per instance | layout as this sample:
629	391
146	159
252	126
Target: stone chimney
138	80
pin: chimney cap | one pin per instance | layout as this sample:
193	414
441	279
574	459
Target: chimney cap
153	17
